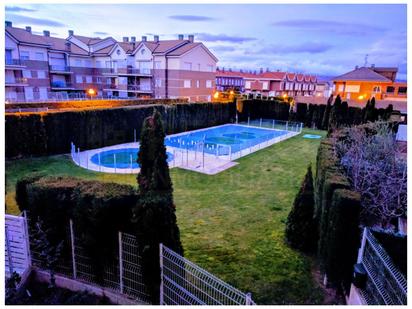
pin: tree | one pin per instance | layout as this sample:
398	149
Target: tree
326	114
154	215
301	228
343	115
388	112
370	111
334	114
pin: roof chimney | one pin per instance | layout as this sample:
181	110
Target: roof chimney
144	38
71	32
156	38
9	23
68	46
125	39
46	33
28	29
180	37
191	38
133	39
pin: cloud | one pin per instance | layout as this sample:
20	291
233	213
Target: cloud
329	26
18	9
308	47
222	48
223	38
35	21
191	18
100	33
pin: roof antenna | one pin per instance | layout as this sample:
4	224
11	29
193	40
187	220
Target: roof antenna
366	60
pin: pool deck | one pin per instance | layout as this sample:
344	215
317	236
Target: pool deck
196	161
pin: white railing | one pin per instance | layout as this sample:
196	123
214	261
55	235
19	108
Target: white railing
17	253
385	283
185	283
283	125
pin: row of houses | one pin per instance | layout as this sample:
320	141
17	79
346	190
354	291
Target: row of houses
40	67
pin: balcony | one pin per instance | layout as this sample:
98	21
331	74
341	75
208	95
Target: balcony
15	63
60	69
16	82
109	71
134	72
60	85
139	88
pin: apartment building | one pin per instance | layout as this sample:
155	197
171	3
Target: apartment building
40	67
363	83
267	83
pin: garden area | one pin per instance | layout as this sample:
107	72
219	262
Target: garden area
232	224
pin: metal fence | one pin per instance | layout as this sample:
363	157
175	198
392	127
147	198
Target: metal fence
283	125
184	283
385	283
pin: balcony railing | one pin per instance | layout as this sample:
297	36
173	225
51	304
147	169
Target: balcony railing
61	84
111	86
60	68
142	88
134	71
10	61
16	81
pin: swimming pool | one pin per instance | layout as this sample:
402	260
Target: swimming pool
223	140
120	158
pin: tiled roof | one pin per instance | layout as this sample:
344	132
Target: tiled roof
24	36
362	74
87	40
104	51
166	45
183	49
273	75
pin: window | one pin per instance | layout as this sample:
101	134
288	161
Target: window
41	74
98	64
247	84
39	56
377	89
187	66
390	89
79	79
158	64
98	80
402	90
210	68
158	82
34	74
265	86
24	55
197	84
89	79
209	84
26	73
78	63
118	52
143	51
88	63
186	83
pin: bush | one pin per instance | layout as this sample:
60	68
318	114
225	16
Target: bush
301	227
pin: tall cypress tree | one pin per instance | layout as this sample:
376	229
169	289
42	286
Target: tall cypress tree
154	215
334	114
301	228
325	119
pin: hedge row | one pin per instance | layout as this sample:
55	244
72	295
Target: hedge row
73	104
272	109
40	134
337	210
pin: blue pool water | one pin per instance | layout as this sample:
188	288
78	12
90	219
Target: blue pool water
221	140
312	136
125	158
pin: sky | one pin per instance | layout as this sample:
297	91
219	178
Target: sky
323	39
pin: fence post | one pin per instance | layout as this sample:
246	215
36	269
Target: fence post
362	247
9	251
135	135
161	298
248	299
121	262
26	231
73	251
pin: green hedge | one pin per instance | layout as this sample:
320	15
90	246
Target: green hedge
272	109
51	133
337	209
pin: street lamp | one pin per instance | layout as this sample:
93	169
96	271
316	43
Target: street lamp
91	92
216	95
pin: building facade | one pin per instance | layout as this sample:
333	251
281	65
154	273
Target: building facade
41	67
364	83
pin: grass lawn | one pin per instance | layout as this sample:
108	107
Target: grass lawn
232	224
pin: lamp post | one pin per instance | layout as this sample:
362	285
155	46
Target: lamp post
91	92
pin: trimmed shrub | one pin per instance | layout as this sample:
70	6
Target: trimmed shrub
301	227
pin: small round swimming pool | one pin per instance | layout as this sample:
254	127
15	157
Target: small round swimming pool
120	158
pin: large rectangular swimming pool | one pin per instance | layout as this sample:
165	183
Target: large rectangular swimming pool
223	140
